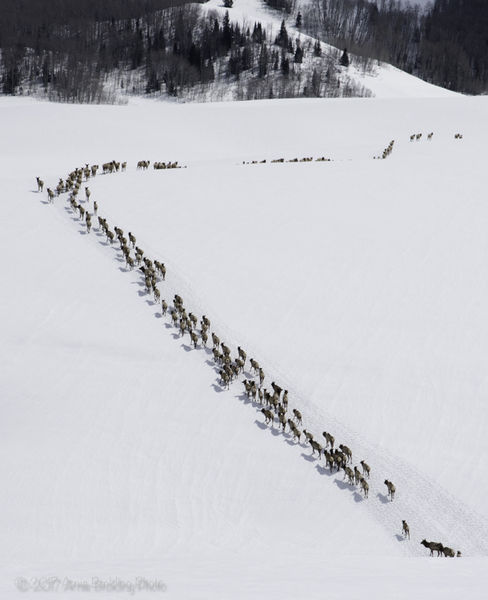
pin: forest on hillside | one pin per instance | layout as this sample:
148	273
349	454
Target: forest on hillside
85	52
92	51
446	45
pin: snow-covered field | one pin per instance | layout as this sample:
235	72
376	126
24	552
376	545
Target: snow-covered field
359	285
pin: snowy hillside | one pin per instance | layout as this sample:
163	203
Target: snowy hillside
384	81
358	284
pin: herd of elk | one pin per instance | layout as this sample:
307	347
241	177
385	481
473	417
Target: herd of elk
229	368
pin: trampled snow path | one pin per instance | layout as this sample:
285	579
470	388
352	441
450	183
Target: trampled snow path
430	511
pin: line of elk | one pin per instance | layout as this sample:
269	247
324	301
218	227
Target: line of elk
274	403
290	160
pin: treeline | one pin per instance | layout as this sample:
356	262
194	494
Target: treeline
446	45
67	47
95	52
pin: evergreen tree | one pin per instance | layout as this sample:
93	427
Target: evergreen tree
228	3
298	22
285	65
315	83
276	60
298	53
282	37
246	58
263	62
344	61
226	31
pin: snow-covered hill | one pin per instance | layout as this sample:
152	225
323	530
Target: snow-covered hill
358	284
383	81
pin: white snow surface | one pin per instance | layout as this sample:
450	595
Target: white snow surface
358	284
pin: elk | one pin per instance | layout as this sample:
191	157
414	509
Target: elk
405	529
282	420
366	468
433	547
357	475
316	447
242	354
276	388
294	430
329	439
268	416
391	489
349	473
254	365
346	451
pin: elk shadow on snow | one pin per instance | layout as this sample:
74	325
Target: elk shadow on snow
218	388
261	425
213	366
399	538
323	470
384	499
342	485
357	497
290	442
186	348
308	457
